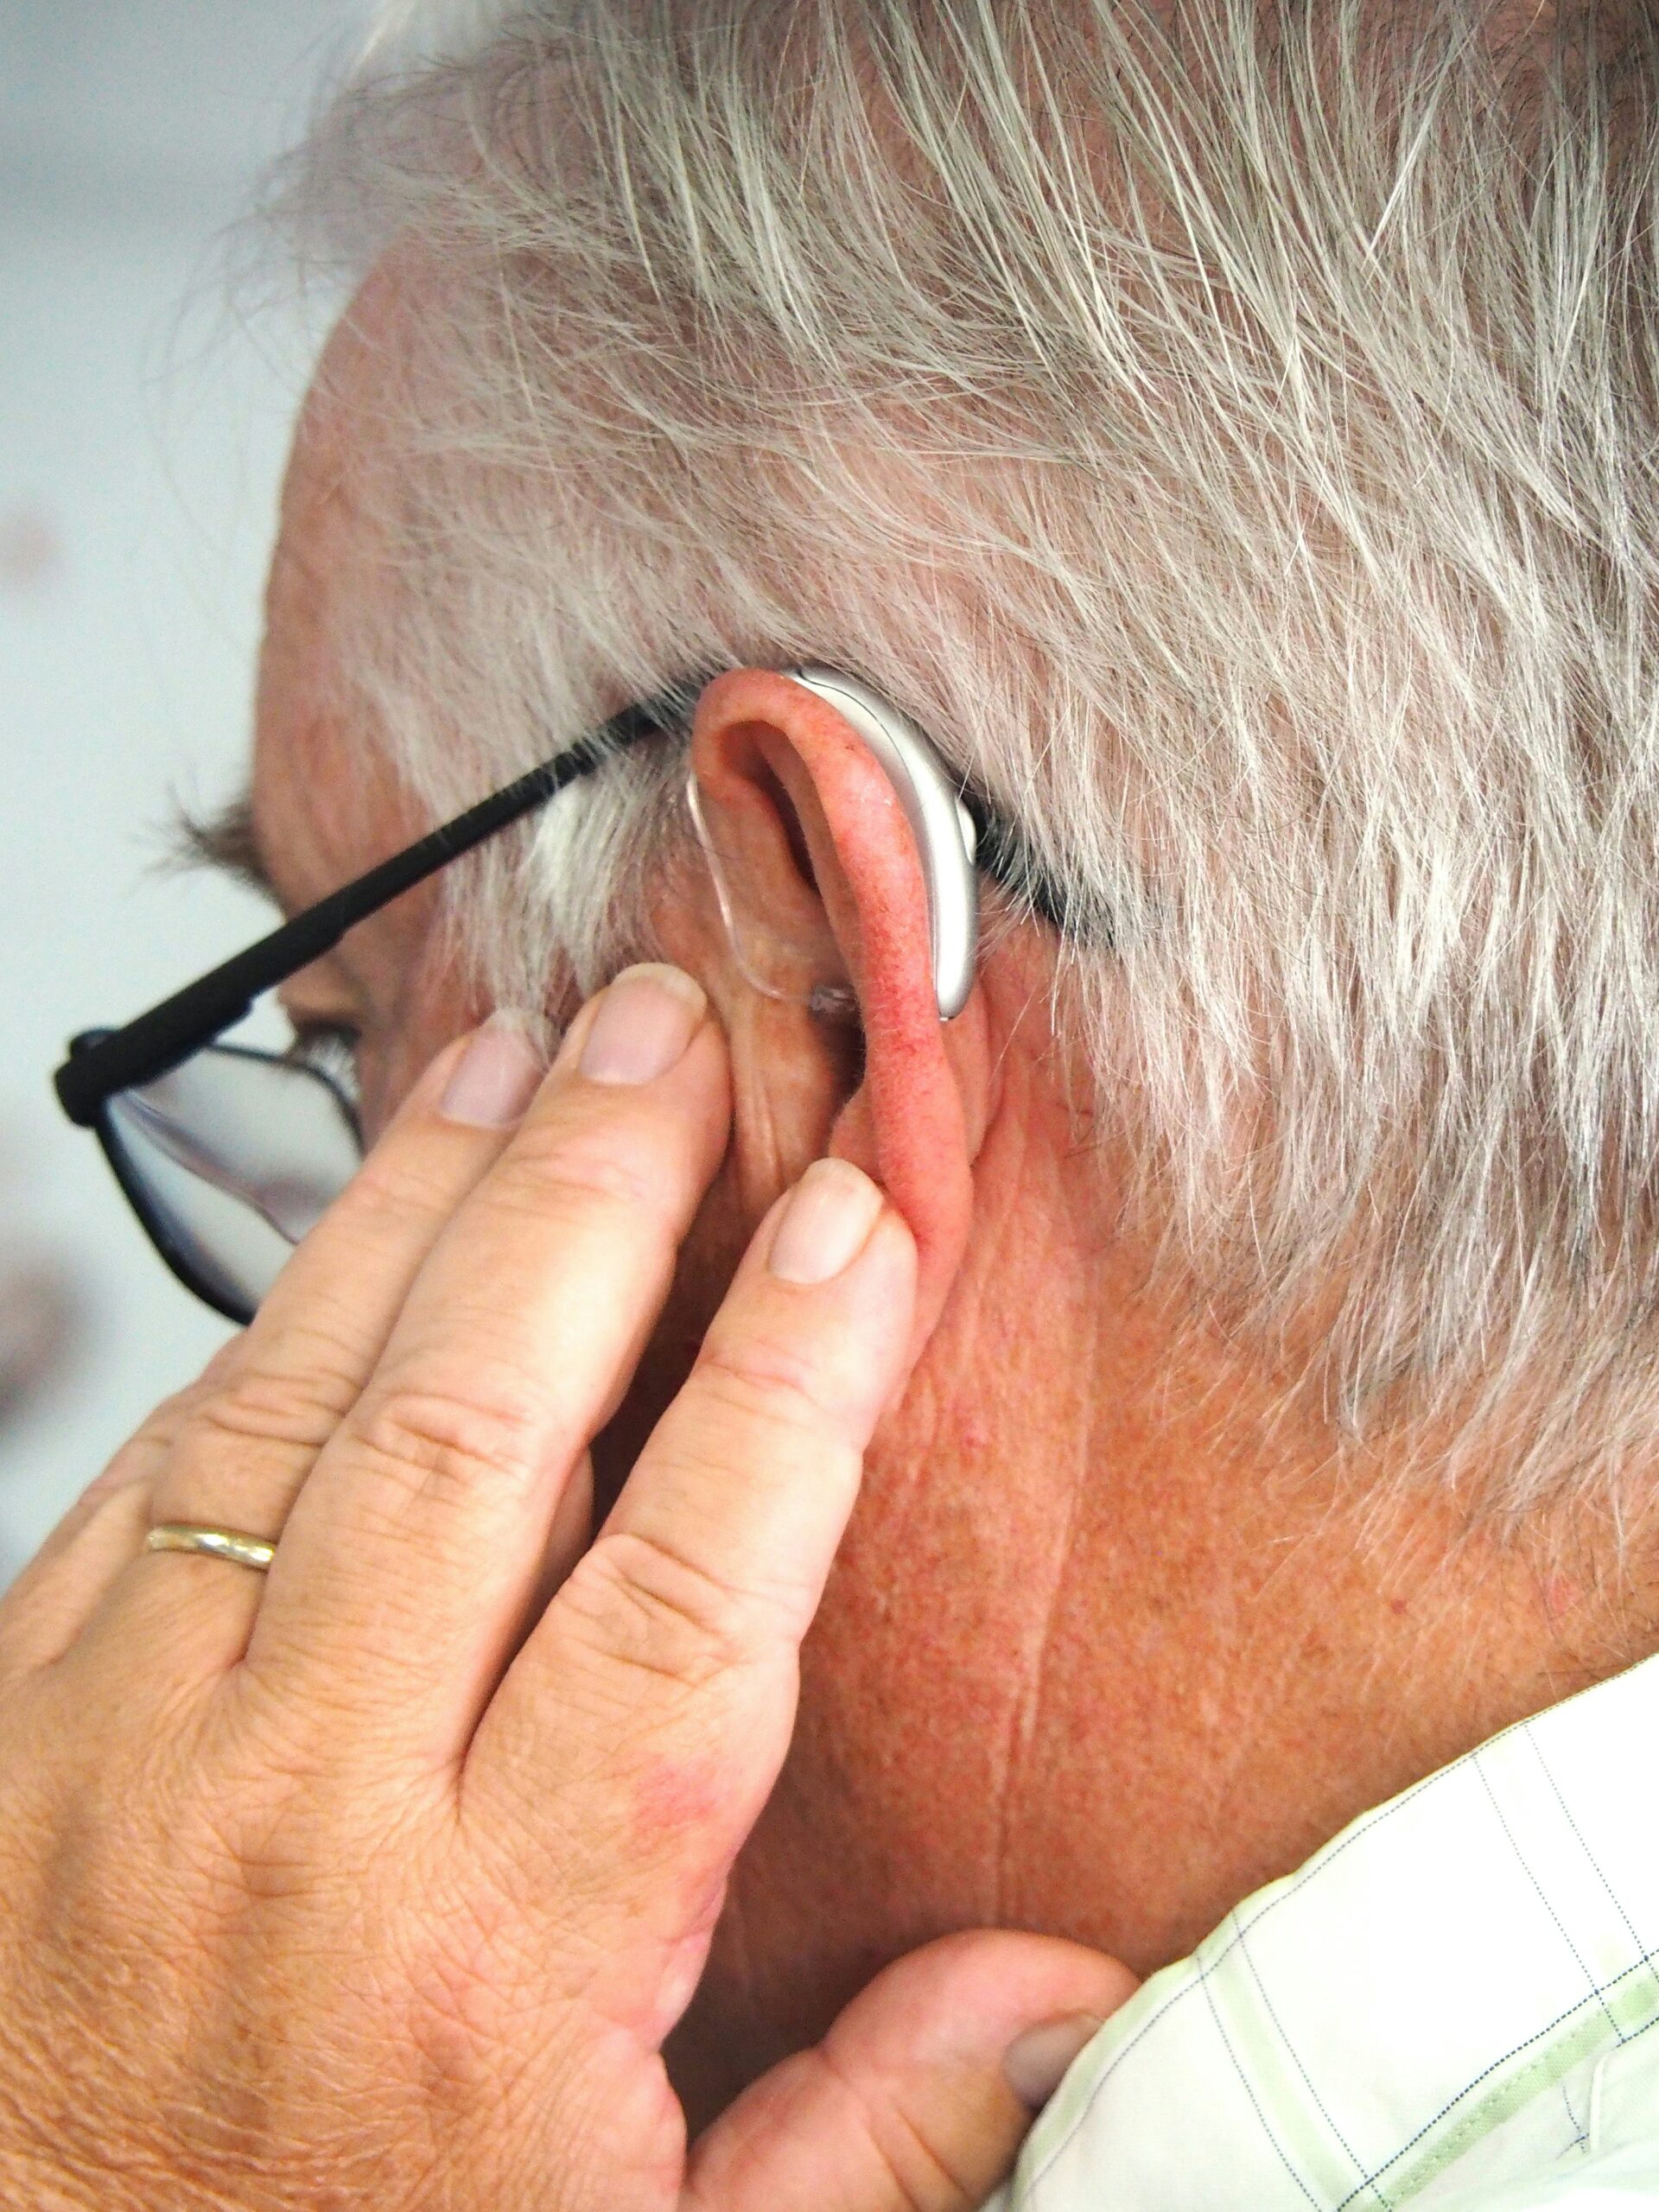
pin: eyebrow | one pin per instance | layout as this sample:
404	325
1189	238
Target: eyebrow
225	840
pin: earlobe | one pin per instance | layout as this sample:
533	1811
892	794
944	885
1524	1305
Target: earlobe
829	857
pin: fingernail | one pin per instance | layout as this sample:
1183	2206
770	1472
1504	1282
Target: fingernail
1035	2063
644	1021
496	1078
826	1223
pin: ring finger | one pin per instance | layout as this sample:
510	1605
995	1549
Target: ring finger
47	1605
244	1449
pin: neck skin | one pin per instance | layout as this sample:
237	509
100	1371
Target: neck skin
1107	1647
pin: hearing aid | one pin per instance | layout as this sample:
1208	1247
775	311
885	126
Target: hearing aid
944	831
946	839
938	822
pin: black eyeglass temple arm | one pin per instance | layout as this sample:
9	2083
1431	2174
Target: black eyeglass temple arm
112	1061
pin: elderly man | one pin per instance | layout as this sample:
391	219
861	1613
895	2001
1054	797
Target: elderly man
1216	443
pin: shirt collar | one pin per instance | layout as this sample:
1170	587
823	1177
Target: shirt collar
1349	2032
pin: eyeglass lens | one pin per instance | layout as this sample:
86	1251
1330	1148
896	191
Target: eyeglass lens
229	1159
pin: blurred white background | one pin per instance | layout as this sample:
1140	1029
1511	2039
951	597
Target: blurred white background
142	432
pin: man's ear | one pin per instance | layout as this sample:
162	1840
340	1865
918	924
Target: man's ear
828	990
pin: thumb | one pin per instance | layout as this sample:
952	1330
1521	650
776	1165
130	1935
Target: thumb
906	2106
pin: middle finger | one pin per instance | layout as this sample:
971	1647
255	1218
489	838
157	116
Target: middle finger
414	1549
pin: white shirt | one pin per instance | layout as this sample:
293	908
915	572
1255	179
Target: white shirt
1446	2007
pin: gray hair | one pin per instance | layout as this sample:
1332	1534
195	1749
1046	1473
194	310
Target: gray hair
1232	432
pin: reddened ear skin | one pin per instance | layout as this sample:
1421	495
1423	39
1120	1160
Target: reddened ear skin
940	823
917	1116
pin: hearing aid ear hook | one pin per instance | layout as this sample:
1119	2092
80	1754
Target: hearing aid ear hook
945	843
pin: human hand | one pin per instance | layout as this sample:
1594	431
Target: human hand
379	1879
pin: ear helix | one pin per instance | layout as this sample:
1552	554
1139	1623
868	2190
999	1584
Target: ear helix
940	821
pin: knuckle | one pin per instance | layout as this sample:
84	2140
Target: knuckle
918	2173
404	1184
766	1383
401	1195
582	1170
654	1611
164	1421
425	1439
300	1405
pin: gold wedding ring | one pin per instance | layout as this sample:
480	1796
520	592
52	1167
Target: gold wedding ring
217	1543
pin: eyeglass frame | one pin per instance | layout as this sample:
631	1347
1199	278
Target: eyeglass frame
103	1063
